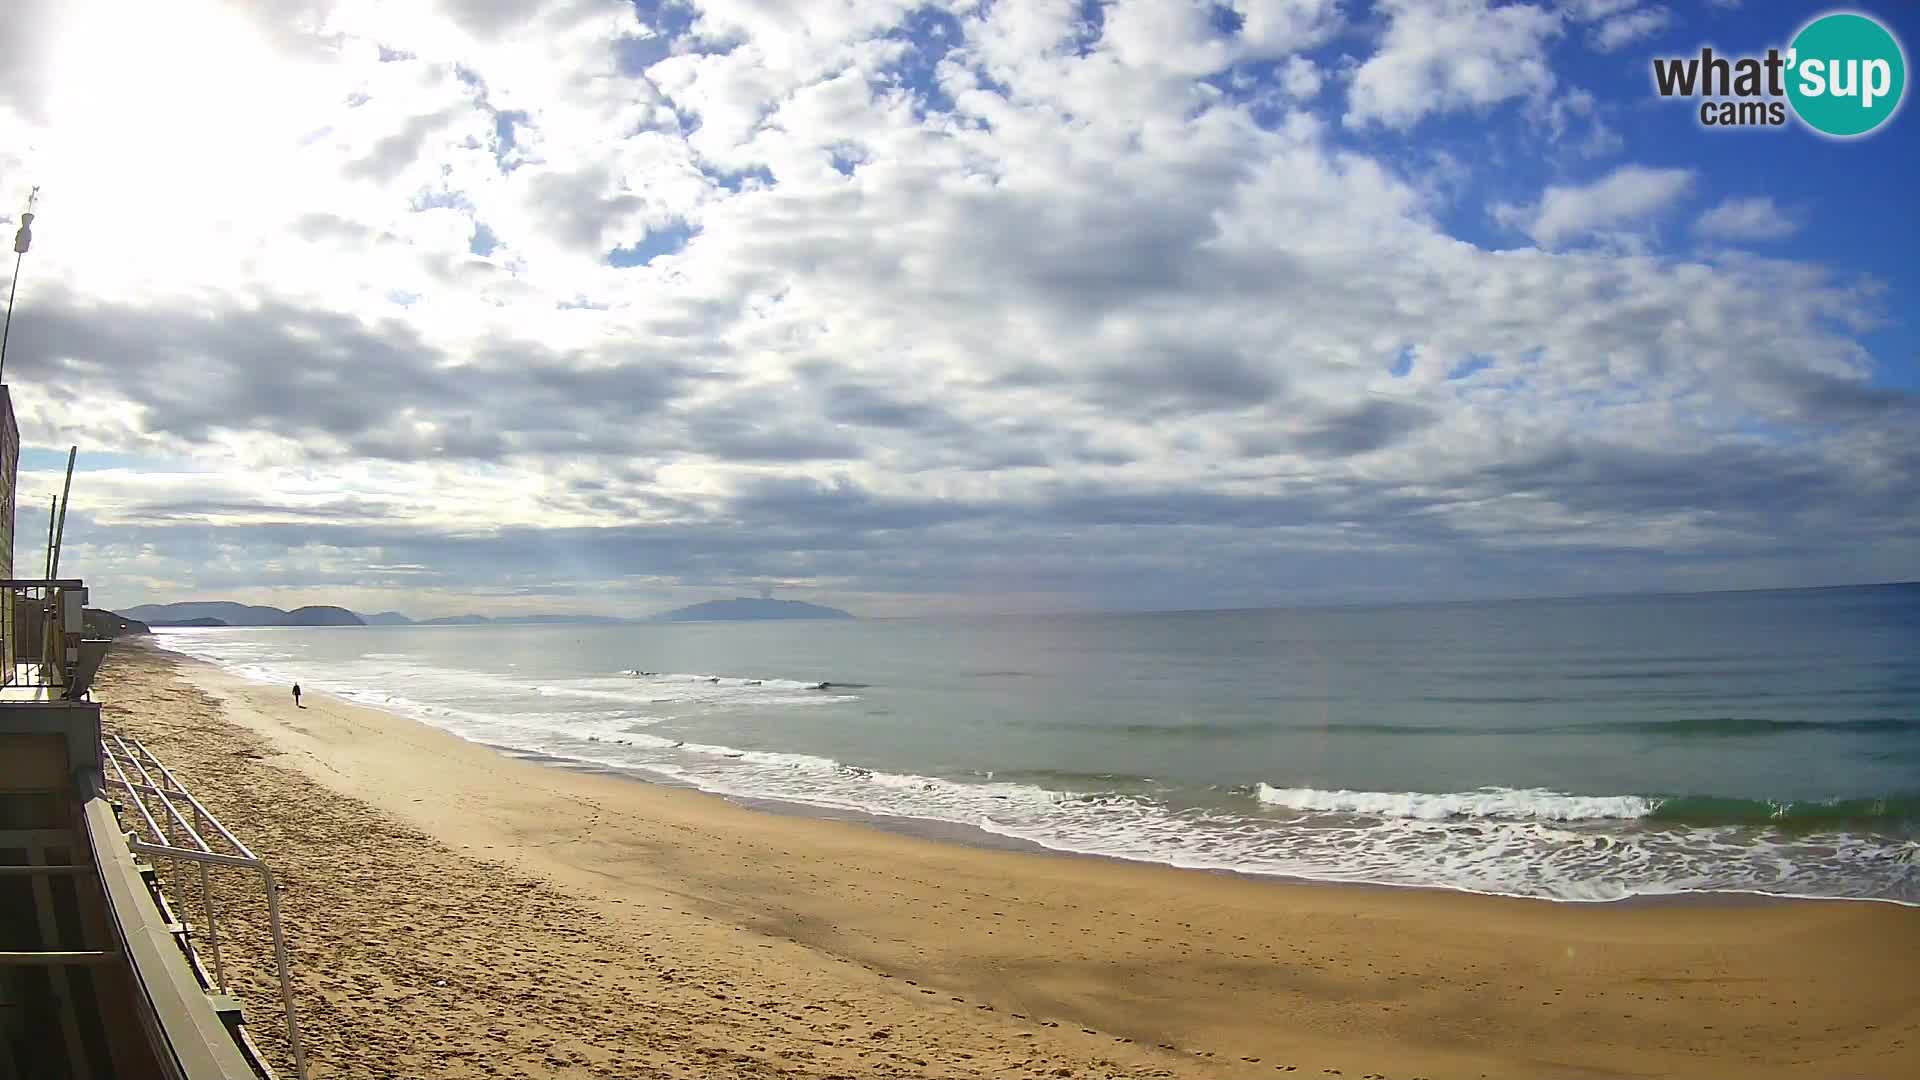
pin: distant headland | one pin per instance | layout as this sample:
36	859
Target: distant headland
747	607
223	613
212	613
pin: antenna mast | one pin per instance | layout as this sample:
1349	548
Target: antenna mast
22	240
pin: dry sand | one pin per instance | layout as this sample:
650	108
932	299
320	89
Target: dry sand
458	913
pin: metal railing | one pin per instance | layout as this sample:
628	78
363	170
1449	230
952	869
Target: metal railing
121	765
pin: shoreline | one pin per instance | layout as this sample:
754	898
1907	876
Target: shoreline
951	832
1156	968
935	830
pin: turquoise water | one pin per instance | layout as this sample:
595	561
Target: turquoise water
1571	749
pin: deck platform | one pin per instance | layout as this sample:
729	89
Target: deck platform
99	978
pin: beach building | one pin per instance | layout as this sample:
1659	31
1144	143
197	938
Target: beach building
100	975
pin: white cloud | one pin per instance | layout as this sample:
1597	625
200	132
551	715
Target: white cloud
1011	309
1598	139
1271	28
1755	217
1301	78
1619	31
1624	198
1441	55
1592	10
1178	37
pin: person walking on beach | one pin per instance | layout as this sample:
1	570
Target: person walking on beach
296	697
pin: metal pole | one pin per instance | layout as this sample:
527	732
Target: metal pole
22	240
206	904
167	851
53	511
280	960
8	327
224	832
60	533
138	804
160	792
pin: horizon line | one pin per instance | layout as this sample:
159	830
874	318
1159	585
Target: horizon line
1307	606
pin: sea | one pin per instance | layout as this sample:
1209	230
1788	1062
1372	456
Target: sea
1588	749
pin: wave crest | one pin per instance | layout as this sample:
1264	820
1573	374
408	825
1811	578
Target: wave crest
1509	804
1539	804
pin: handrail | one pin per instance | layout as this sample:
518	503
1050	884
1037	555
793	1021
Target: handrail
206	891
181	790
172	810
172	1003
159	843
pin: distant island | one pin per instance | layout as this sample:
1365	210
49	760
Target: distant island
322	615
213	613
747	607
223	613
500	620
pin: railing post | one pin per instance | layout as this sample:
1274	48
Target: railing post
286	980
213	926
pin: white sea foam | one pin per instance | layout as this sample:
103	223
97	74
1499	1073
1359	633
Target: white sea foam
741	681
1530	804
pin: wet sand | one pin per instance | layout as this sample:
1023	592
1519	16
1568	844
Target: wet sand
457	912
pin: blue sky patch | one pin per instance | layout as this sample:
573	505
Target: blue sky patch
665	241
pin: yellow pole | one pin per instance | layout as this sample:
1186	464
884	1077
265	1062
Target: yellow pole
60	532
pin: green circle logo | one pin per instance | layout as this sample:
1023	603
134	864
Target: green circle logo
1846	74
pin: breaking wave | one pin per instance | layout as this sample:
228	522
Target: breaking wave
1504	803
1512	804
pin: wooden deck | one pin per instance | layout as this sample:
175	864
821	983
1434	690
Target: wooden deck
93	980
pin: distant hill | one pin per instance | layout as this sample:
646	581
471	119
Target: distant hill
108	624
394	618
322	615
542	620
229	614
746	607
223	613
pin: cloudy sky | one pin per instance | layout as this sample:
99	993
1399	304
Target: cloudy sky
951	306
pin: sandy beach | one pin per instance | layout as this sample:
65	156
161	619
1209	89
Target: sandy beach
456	912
